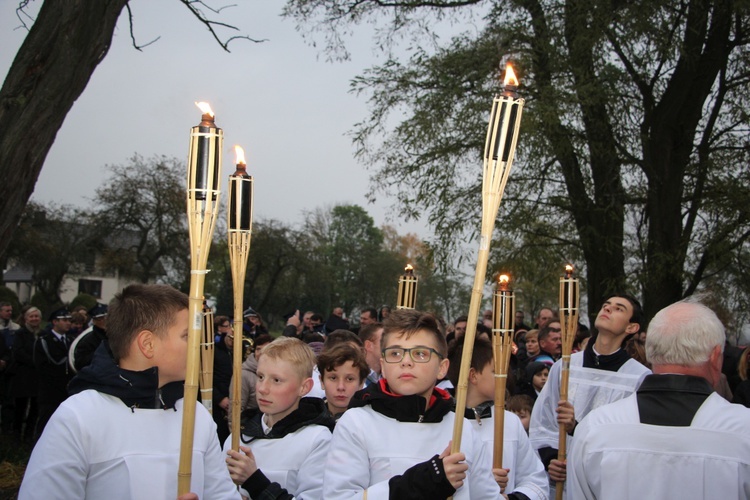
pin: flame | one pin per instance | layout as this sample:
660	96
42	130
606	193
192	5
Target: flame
240	155
568	268
205	108
503	279
408	268
510	76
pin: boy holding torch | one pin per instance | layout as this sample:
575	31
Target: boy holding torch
599	375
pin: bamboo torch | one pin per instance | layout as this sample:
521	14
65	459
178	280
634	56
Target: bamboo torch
499	150
207	359
407	289
240	226
503	321
569	303
204	167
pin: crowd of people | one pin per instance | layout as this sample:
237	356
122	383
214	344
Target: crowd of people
337	411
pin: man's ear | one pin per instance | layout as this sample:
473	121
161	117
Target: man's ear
716	360
632	328
145	342
306	387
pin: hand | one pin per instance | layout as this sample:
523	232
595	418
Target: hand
557	470
224	404
294	319
566	416
501	477
241	465
455	467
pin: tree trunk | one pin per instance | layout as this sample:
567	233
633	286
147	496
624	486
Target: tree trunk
51	69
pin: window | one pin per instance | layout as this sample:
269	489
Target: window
91	287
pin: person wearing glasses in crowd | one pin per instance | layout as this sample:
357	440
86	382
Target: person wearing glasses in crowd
393	441
223	352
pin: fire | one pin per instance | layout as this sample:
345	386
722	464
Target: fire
503	279
240	155
510	77
568	270
408	268
205	108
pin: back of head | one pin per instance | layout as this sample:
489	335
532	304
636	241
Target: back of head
519	403
367	332
683	333
263	339
480	357
338	355
141	307
293	351
407	322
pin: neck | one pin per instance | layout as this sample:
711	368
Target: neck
607	343
333	410
474	399
703	370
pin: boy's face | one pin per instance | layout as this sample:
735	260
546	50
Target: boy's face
340	384
170	350
615	315
485	382
539	379
525	417
408	377
279	388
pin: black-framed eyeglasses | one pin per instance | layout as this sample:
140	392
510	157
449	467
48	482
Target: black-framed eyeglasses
419	354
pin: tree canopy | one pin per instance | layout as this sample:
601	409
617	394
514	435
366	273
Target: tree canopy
633	152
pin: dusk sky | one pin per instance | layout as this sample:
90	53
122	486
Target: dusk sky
280	100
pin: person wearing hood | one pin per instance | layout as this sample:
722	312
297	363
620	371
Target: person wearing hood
284	441
118	435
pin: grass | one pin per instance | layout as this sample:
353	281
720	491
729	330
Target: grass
14	455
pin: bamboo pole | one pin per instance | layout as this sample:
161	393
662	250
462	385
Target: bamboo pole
503	318
569	306
240	228
207	359
499	150
204	166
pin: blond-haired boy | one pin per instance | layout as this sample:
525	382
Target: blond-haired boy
118	435
288	435
382	445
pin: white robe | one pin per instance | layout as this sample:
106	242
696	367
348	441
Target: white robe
96	447
368	449
527	474
295	461
588	388
615	456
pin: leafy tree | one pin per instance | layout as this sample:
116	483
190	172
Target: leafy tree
633	146
65	44
141	217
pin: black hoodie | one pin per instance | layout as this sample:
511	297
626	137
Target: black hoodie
134	389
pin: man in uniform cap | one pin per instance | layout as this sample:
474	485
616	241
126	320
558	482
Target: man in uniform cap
53	371
82	350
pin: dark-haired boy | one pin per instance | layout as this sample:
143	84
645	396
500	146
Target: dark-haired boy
382	445
599	375
522	476
118	435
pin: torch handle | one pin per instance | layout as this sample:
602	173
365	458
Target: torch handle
501	380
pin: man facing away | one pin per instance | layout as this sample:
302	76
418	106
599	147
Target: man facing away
601	374
675	437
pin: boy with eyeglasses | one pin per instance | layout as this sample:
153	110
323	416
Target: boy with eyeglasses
382	445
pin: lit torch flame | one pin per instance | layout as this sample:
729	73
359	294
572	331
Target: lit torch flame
568	270
240	155
408	269
205	108
502	281
510	77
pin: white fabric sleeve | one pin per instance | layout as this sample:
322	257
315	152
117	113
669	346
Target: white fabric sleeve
530	476
577	486
217	483
347	468
312	470
482	482
543	429
58	466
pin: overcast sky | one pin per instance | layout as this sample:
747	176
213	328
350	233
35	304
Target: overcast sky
280	100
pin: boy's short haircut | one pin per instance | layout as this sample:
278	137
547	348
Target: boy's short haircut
480	358
141	307
310	337
368	331
341	336
262	339
341	353
294	351
410	321
637	316
519	402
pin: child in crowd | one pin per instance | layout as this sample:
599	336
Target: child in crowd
522	475
118	435
535	376
521	405
343	370
249	377
288	434
382	445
